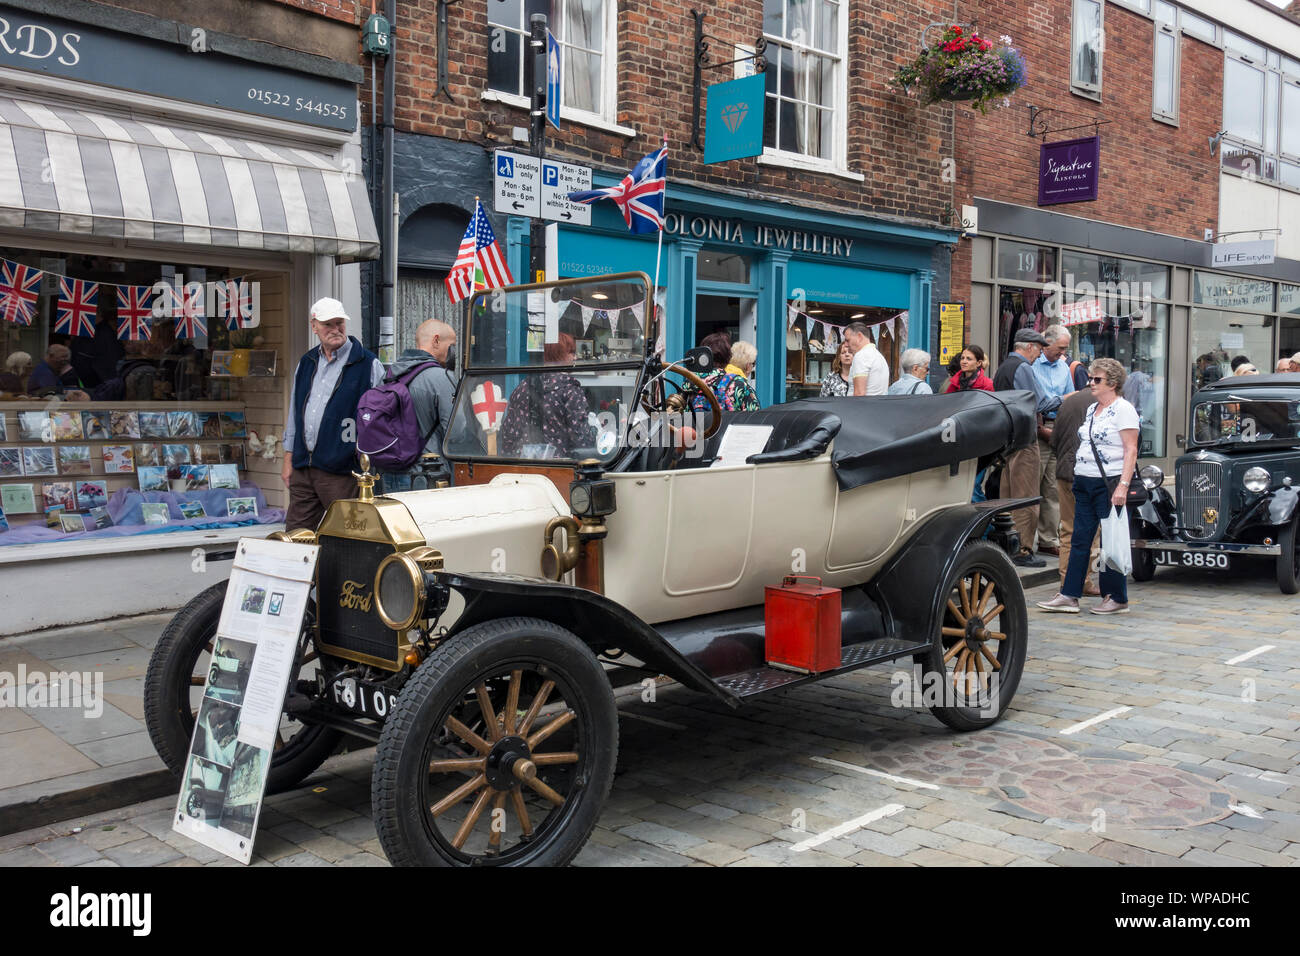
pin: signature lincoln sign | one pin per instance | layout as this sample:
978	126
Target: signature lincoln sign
1068	171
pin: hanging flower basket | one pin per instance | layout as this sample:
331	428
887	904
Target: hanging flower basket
962	66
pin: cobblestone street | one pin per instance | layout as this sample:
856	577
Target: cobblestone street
1153	738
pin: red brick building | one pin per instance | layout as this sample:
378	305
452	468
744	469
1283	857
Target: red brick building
847	214
1131	269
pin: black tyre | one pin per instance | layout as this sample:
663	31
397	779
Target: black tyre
979	653
1144	564
194	805
499	751
1288	560
174	682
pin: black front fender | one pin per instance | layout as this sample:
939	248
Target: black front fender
909	588
597	621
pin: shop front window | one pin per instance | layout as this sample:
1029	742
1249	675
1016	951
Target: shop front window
1020	308
130	389
1232	292
815	336
1218	336
1026	262
1109	274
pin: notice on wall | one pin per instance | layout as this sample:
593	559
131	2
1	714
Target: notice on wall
243	697
952	330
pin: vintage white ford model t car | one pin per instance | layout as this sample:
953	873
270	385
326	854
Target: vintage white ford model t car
592	539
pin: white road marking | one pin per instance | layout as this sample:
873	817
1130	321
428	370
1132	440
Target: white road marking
888	810
652	720
1245	811
875	773
1249	654
1075	728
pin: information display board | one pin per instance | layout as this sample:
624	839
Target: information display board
239	717
952	331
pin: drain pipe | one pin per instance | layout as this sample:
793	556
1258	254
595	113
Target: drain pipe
388	245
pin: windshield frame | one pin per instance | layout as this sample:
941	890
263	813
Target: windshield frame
473	372
1243	396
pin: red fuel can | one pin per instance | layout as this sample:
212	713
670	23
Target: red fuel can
802	625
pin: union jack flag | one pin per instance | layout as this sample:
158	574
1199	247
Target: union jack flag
236	303
479	264
640	195
76	307
187	310
133	311
19	290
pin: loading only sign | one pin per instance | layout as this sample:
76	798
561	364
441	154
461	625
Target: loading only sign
516	181
558	180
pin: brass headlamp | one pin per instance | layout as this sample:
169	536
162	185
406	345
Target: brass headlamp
405	590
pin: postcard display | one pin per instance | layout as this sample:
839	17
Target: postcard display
61	461
239	716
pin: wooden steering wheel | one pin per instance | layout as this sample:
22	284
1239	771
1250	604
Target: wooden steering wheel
715	407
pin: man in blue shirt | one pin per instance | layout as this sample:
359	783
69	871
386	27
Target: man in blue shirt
1052	372
320	440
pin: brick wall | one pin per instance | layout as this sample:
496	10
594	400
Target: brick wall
1153	176
345	10
898	145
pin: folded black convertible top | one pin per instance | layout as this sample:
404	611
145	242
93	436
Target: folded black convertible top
890	435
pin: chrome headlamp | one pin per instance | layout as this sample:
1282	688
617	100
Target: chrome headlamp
1256	480
1152	477
402	587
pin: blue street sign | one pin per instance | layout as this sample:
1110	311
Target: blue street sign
505	167
552	79
733	119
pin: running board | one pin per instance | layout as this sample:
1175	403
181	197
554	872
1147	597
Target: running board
765	680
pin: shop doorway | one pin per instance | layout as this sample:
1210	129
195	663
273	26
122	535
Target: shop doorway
733	314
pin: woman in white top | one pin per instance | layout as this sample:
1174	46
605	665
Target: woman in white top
1108	438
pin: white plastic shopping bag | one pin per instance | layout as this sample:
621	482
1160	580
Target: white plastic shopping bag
1116	549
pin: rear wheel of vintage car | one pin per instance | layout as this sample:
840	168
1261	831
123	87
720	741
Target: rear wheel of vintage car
975	665
1288	559
173	687
500	750
1144	565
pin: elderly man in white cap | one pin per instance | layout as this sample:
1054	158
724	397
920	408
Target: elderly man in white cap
320	431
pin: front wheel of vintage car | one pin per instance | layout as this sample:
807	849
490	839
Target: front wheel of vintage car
1288	559
173	694
974	668
1144	565
500	750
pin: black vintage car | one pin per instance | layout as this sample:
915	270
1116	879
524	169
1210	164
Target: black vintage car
1235	488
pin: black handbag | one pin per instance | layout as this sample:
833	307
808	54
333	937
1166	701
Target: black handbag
1137	492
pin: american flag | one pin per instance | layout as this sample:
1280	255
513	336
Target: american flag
479	263
18	291
76	307
187	310
640	195
133	311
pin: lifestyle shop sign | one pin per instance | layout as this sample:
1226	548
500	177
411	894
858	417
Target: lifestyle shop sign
709	228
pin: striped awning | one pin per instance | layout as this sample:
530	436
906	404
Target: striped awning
80	171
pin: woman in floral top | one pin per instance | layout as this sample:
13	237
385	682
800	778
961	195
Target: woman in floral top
835	385
730	384
549	409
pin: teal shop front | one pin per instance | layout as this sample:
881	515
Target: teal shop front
750	266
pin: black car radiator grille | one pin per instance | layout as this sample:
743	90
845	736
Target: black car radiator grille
1200	494
349	620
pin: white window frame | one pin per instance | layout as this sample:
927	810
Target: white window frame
1175	34
837	165
607	118
1089	90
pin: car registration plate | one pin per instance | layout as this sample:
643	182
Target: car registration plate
363	697
1206	560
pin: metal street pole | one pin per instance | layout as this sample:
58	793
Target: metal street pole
535	73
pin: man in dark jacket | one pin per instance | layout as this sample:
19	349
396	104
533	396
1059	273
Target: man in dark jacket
1065	442
432	391
1021	476
320	433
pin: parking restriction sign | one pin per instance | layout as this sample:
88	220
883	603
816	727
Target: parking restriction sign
515	184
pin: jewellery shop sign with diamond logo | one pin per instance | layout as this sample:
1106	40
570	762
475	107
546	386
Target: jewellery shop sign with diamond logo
733	119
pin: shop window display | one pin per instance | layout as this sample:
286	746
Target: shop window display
815	332
128	380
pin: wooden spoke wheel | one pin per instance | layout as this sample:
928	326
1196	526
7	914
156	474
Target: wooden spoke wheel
500	750
975	666
179	669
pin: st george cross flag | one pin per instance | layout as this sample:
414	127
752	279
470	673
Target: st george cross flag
487	404
76	307
187	310
19	289
640	195
479	264
133	311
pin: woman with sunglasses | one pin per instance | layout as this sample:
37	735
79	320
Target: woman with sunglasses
1108	448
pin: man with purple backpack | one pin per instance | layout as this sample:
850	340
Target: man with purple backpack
407	415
